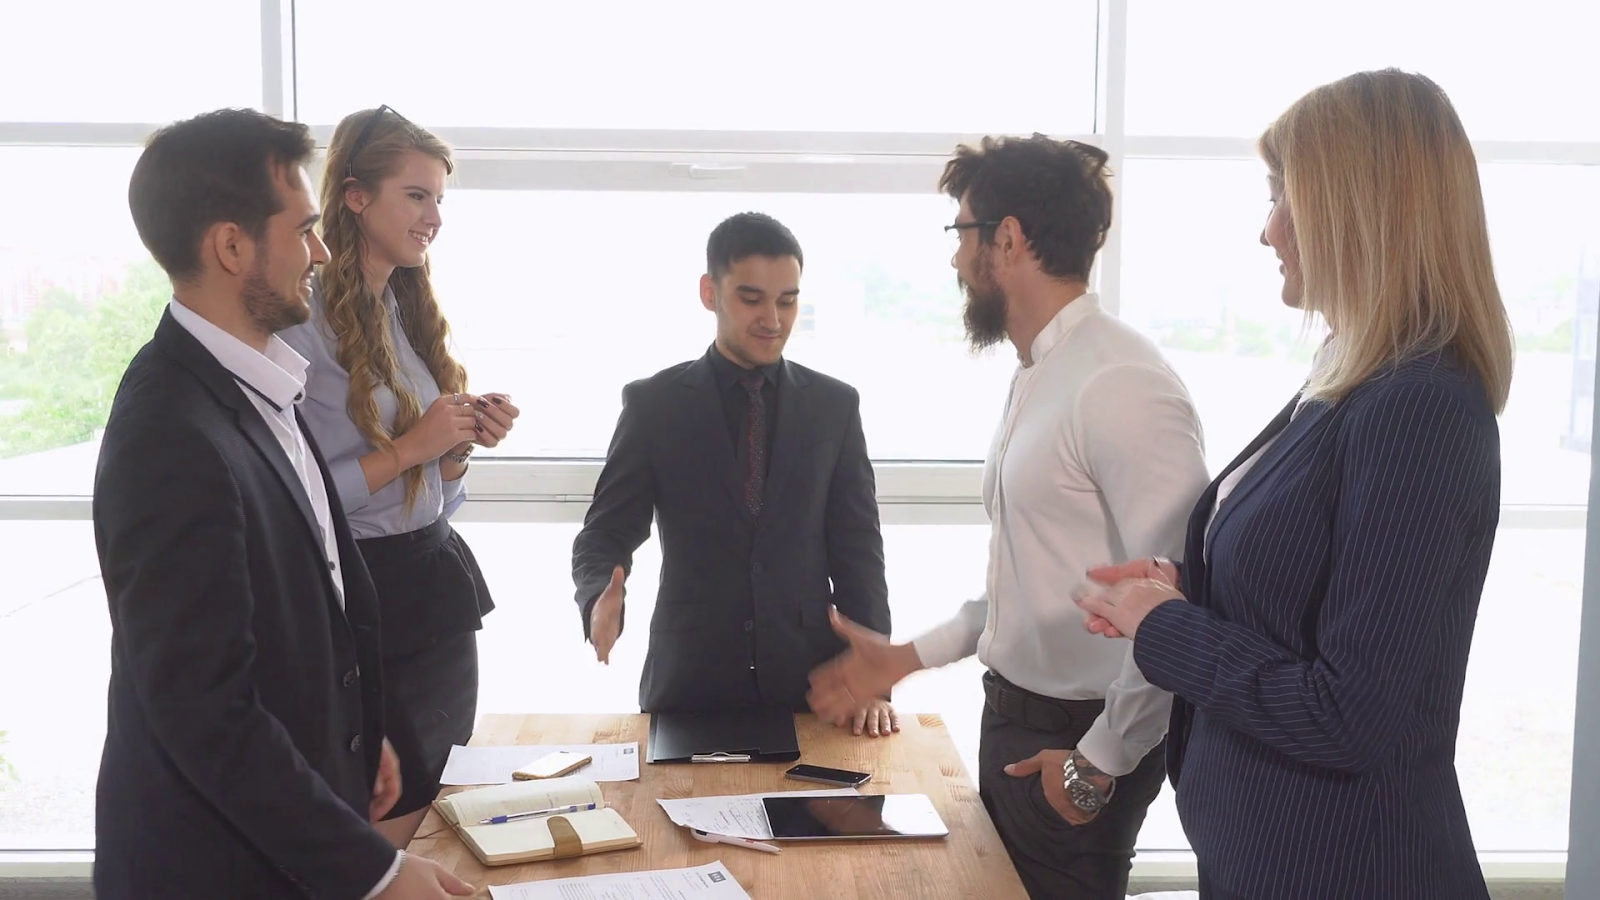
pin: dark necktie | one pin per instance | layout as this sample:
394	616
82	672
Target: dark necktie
755	442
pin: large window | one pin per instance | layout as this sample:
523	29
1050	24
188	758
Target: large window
1196	278
78	295
833	65
55	623
599	143
1229	69
591	290
76	61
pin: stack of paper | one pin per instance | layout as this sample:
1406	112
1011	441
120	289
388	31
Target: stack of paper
494	765
708	882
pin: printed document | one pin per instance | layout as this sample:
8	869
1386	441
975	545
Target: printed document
494	765
708	882
735	815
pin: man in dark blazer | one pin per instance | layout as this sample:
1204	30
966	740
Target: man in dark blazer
244	752
756	470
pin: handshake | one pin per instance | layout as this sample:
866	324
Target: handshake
1115	600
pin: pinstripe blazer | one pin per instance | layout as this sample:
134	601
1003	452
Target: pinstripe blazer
1319	663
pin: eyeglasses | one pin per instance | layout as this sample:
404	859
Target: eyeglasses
365	135
954	230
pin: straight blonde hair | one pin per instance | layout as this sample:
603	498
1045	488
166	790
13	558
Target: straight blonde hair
1382	189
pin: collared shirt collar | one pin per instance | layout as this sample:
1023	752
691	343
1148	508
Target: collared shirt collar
279	374
1062	324
729	372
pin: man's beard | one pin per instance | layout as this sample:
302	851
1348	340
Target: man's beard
985	310
270	310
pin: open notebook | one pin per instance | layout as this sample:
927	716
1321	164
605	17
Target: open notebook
540	837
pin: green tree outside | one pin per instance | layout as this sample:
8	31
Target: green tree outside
74	361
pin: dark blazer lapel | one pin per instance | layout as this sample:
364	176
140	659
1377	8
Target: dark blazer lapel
351	580
177	342
709	426
1200	518
794	425
1284	432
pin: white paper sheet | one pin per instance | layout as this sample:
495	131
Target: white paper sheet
708	882
735	815
494	765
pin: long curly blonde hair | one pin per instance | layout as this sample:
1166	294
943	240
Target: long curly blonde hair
358	318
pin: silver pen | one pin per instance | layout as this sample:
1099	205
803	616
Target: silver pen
560	810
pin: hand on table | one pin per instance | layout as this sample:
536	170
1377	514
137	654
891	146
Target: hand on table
876	718
424	879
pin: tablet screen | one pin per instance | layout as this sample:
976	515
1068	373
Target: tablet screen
873	816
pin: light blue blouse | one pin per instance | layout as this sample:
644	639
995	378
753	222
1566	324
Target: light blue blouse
380	513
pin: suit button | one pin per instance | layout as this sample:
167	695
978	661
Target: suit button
355	744
350	678
333	566
749	625
757	568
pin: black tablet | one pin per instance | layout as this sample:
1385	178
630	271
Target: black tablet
840	818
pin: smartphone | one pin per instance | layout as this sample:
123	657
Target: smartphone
823	775
552	766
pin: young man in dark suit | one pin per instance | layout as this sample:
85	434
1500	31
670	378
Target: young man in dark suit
756	470
244	752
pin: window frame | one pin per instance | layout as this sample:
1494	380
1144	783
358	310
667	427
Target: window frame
927	492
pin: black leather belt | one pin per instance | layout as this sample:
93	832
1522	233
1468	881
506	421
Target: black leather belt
1036	711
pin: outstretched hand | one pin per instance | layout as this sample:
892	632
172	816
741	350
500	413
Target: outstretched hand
605	619
852	681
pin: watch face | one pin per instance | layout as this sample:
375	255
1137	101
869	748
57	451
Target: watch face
1084	796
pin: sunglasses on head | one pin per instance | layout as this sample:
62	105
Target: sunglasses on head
366	135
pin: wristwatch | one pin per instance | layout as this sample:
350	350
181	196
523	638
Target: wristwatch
1085	795
459	459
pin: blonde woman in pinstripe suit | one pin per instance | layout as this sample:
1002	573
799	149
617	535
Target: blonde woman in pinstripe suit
1333	572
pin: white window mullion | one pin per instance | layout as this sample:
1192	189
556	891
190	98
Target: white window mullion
277	58
1113	102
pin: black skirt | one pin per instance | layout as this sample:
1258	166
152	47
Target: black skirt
433	598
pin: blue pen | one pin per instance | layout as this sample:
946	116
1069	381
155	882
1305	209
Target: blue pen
501	820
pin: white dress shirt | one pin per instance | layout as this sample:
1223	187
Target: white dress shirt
1098	459
275	382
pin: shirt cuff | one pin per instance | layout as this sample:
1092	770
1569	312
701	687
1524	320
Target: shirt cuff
949	643
351	483
455	494
1106	750
388	878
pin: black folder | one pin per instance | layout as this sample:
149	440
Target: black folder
746	735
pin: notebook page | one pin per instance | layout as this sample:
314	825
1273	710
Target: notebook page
595	828
472	807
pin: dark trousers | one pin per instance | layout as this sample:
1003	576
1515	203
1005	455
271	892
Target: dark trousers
1057	860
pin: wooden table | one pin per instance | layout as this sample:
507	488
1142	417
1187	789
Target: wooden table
921	759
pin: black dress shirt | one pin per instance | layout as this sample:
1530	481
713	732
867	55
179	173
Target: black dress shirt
736	401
